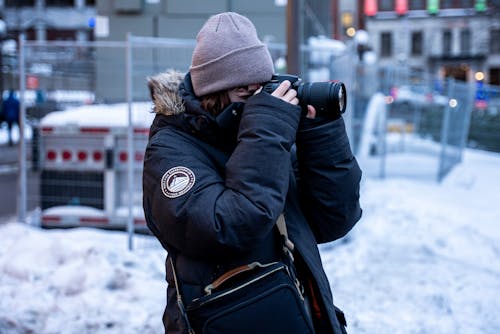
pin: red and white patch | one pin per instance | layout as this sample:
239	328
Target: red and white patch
177	181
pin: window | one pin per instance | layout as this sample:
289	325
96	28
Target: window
19	3
48	3
385	5
61	35
494	75
447	42
465	41
416	43
417	4
386	44
446	4
494	38
59	3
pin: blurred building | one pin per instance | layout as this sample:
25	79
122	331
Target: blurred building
455	38
49	19
111	20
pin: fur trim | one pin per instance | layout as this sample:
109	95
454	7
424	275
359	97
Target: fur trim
164	91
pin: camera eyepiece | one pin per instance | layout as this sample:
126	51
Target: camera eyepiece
328	98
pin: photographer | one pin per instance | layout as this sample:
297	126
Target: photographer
225	159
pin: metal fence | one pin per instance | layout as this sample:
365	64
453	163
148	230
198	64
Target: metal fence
420	127
83	164
85	119
484	131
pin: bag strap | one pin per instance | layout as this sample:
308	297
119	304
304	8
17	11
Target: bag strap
288	245
288	248
234	272
180	303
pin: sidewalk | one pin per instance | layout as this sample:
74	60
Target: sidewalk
9	154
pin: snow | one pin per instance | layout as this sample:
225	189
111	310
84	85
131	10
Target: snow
424	258
101	115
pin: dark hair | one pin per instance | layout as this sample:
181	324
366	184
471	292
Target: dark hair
214	103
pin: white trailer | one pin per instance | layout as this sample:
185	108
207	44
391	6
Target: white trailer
83	161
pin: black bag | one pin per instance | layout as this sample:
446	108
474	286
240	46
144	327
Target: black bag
266	300
254	298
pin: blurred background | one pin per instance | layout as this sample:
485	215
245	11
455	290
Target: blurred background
423	103
423	81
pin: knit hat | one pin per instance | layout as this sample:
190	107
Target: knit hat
228	54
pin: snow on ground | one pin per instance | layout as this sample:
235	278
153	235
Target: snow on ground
78	281
423	259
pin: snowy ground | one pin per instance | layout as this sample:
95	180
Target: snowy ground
423	259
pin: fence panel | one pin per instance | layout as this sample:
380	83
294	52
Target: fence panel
425	128
456	126
78	157
485	120
79	160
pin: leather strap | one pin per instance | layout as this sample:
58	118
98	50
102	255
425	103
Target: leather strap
232	273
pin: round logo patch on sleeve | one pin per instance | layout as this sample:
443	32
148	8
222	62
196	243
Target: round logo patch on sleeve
177	181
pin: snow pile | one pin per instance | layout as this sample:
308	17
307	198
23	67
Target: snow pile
78	281
102	115
423	259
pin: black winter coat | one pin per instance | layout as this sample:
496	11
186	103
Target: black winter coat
213	188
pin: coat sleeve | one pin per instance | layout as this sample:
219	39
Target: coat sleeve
227	210
329	179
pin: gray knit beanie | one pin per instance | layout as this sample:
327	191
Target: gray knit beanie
228	54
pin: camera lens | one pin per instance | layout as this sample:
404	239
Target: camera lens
328	98
341	96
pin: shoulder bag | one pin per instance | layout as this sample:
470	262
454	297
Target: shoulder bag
254	298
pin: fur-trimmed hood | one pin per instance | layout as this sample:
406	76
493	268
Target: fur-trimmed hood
164	91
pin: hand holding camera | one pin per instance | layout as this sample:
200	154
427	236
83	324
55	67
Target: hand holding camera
326	99
284	92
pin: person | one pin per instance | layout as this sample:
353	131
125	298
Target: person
10	109
225	159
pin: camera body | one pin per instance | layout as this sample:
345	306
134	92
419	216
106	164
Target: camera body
328	98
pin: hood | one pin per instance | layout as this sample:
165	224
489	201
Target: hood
175	103
164	91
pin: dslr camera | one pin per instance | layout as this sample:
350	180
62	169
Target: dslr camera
328	98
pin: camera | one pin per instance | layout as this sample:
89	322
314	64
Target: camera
328	98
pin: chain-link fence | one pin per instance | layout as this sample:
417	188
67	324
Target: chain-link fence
83	164
420	128
88	108
484	131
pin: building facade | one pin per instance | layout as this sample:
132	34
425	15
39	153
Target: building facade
49	19
111	20
453	38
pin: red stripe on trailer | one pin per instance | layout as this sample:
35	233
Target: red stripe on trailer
94	130
47	129
94	220
51	219
138	221
139	156
97	155
143	131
